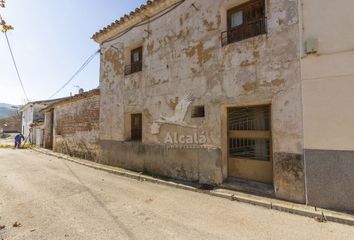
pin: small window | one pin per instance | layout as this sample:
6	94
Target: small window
136	61
198	112
136	127
136	57
245	21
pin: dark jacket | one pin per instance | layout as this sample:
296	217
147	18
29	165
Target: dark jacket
19	137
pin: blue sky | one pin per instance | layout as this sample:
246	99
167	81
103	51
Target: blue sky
50	42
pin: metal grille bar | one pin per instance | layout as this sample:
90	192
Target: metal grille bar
249	132
249	119
130	69
244	31
255	149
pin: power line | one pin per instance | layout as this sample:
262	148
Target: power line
13	58
149	20
82	67
88	60
17	72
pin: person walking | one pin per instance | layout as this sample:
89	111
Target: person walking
18	139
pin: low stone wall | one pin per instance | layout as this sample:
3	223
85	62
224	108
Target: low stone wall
82	145
199	165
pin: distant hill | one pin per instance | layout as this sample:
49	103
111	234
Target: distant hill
7	110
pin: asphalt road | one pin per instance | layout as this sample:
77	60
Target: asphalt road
55	199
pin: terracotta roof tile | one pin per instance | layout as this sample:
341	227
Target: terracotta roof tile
125	18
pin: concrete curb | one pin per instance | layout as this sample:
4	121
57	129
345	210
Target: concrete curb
321	215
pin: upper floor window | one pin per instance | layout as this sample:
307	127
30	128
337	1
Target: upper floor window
136	61
245	21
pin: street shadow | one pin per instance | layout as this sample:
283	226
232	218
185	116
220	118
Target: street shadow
121	225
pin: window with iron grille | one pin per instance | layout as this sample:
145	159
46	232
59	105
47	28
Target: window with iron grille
245	21
136	61
198	112
136	127
249	132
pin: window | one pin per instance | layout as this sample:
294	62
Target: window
136	127
245	21
249	132
236	19
136	61
198	112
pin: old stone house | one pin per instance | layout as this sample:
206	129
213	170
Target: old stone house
71	125
32	117
217	91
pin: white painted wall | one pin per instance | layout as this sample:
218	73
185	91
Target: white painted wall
30	114
39	134
328	76
27	120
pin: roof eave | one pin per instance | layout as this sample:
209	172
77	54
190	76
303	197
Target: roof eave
139	15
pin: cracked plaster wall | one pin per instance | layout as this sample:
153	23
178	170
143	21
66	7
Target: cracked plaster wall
182	53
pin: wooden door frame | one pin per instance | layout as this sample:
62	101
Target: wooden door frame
224	132
132	138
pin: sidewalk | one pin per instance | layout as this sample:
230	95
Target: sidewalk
321	215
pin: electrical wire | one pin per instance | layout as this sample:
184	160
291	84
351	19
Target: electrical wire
14	62
150	19
81	68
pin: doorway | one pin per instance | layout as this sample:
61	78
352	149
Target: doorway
250	143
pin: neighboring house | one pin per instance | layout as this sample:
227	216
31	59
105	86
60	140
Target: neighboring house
216	91
71	125
31	116
327	67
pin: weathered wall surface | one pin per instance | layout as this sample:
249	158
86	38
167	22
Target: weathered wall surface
48	129
330	179
328	90
198	165
182	53
27	120
38	131
29	115
37	114
76	127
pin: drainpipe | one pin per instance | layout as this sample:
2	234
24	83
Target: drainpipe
301	30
